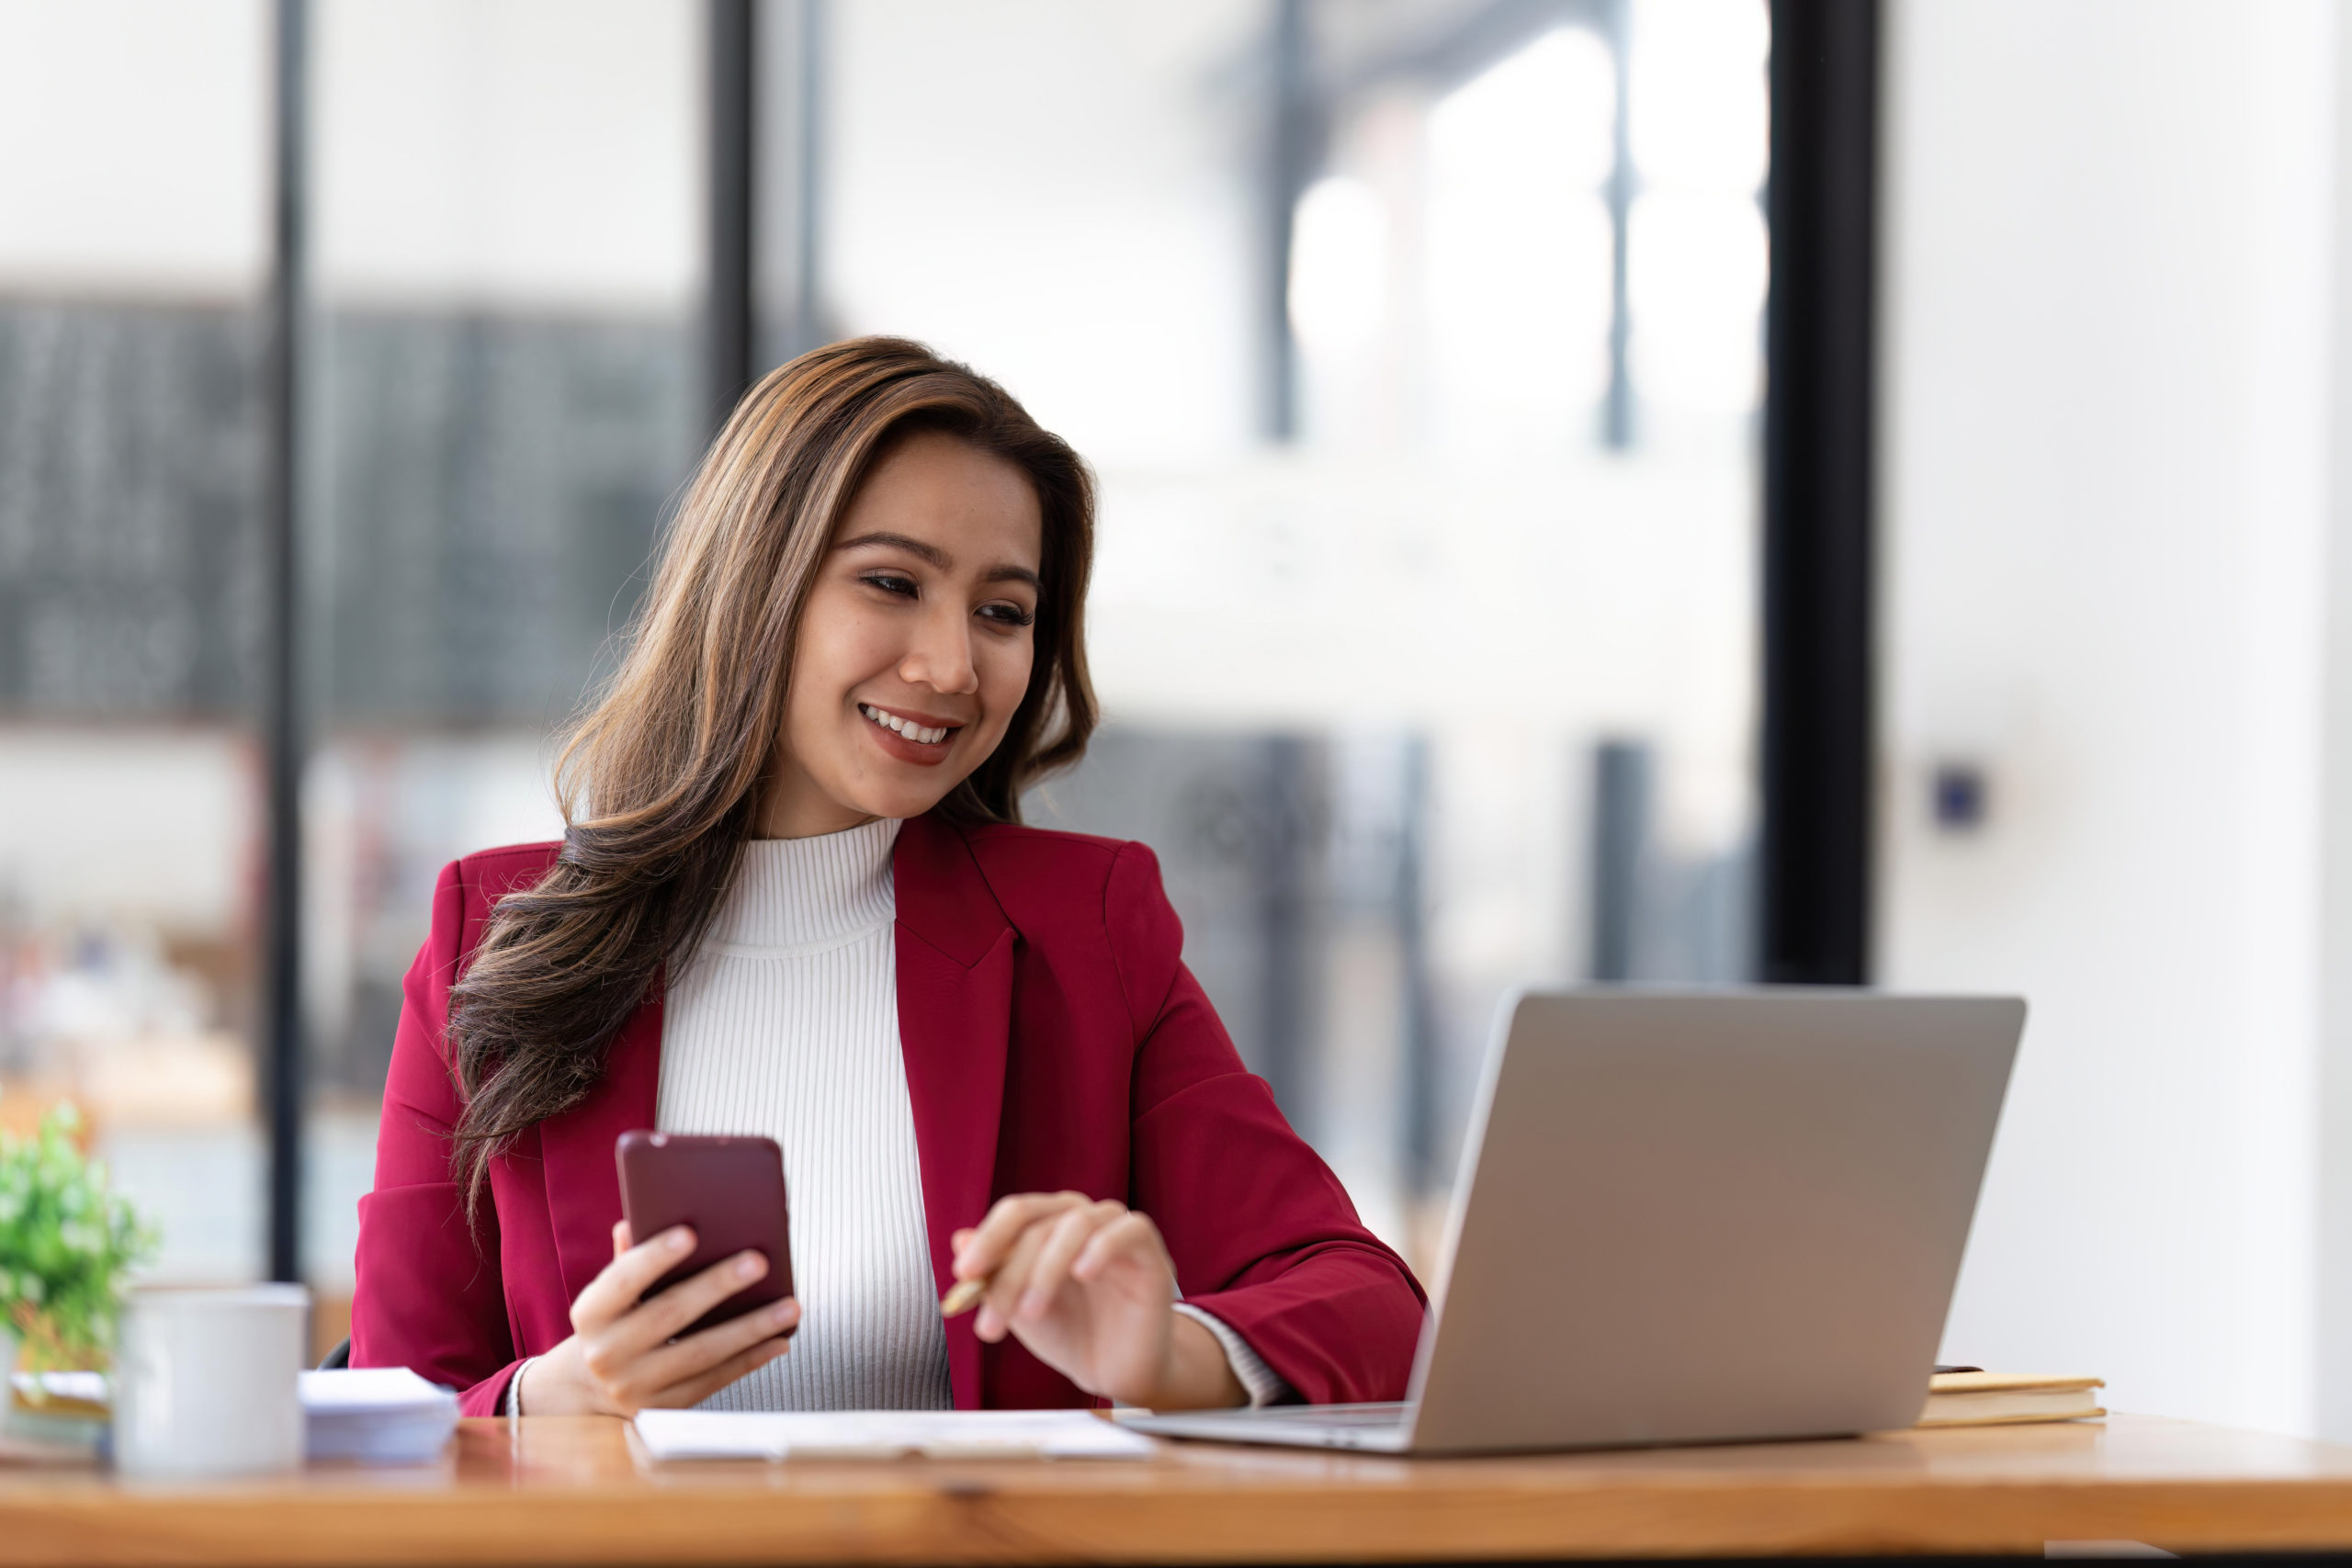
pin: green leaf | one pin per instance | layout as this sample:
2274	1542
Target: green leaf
67	1245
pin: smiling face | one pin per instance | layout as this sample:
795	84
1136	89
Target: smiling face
916	642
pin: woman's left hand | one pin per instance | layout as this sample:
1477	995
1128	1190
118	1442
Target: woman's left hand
1088	1287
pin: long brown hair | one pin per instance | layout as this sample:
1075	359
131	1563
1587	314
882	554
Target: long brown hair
661	776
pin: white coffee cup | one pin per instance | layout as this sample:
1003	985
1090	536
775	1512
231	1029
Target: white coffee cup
205	1381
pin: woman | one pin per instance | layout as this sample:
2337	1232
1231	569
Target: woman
793	899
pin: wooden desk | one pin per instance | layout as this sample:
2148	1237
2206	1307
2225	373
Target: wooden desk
565	1490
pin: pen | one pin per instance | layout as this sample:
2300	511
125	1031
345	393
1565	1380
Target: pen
962	1297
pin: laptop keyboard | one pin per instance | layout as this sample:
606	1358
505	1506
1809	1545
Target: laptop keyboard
1334	1415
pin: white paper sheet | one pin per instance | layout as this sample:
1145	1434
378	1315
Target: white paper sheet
371	1391
885	1434
382	1414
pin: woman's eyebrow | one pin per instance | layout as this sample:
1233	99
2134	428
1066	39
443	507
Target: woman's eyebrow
913	546
940	558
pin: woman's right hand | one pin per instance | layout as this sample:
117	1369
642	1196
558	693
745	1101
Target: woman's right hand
620	1358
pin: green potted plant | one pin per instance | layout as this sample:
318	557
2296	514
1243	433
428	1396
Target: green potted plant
67	1243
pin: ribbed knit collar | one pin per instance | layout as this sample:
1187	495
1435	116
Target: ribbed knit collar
809	892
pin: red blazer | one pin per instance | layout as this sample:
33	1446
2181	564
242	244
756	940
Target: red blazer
1053	1040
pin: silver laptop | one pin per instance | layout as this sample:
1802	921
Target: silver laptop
1690	1218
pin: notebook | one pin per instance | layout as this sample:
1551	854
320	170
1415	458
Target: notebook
2000	1399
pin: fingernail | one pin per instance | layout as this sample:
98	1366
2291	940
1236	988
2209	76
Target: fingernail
679	1240
749	1266
783	1310
1032	1304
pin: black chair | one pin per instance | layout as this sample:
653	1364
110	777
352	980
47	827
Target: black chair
337	1358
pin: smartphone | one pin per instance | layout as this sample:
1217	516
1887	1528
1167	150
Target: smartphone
729	1189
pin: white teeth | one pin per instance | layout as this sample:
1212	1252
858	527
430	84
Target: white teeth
913	731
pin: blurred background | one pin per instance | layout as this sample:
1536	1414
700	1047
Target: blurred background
1462	618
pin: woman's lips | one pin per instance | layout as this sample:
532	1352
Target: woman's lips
900	735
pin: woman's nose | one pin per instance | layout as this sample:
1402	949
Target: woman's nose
942	657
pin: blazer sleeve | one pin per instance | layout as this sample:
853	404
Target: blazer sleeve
429	1296
1263	1235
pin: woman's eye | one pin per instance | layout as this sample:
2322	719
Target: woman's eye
891	583
1007	614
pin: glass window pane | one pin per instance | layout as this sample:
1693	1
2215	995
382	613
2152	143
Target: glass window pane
1448	686
1449	692
129	492
504	393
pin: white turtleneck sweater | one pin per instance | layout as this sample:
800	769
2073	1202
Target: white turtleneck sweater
785	1023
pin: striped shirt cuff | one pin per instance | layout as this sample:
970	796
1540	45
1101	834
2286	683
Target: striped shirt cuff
1264	1384
510	1398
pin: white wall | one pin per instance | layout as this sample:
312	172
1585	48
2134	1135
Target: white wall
1049	191
2106	394
135	146
2334	1099
157	825
540	153
532	154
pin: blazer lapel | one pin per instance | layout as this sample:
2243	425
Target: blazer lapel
583	1184
954	954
